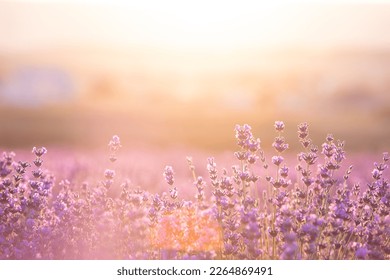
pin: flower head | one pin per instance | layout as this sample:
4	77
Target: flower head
109	174
169	175
361	253
279	126
277	160
115	145
39	151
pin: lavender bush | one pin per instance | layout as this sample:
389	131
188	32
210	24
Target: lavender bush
259	208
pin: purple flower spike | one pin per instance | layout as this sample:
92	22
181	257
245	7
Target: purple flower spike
169	175
279	126
361	253
109	174
39	151
277	160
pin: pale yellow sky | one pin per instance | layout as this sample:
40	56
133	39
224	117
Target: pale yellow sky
188	25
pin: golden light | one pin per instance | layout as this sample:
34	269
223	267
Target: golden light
179	46
191	24
205	24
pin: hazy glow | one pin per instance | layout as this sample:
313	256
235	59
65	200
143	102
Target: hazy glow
220	26
206	23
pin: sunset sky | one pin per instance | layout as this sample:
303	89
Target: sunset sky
193	25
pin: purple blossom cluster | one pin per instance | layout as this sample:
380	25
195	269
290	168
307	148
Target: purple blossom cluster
255	209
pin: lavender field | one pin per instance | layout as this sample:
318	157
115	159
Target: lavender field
153	130
252	205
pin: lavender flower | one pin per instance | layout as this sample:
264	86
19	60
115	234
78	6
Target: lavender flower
169	175
279	126
39	152
109	174
277	160
114	146
361	253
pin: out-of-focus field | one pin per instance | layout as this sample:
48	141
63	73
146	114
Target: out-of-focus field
343	93
200	124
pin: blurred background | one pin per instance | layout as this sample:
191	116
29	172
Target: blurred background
183	73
